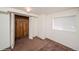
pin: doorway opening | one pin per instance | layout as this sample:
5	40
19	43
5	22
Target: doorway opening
21	27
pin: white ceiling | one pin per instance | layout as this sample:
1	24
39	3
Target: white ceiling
45	10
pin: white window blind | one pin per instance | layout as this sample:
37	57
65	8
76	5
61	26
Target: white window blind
66	23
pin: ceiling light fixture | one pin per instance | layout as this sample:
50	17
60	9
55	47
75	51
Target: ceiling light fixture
28	9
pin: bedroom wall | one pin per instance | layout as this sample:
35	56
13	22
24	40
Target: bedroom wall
33	27
4	30
43	26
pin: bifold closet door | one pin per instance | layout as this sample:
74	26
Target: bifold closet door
18	29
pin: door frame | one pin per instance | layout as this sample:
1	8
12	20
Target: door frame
12	29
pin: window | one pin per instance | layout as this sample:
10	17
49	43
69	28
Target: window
66	23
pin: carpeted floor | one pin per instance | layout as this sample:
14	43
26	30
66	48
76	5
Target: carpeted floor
38	44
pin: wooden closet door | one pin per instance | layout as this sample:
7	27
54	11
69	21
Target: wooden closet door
26	27
22	27
17	28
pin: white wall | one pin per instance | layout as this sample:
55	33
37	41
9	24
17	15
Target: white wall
4	30
44	29
33	27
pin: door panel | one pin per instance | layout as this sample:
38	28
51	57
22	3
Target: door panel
22	26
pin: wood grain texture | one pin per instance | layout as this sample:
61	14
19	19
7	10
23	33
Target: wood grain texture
22	26
37	44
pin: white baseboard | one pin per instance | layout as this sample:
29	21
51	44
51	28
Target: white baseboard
30	37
